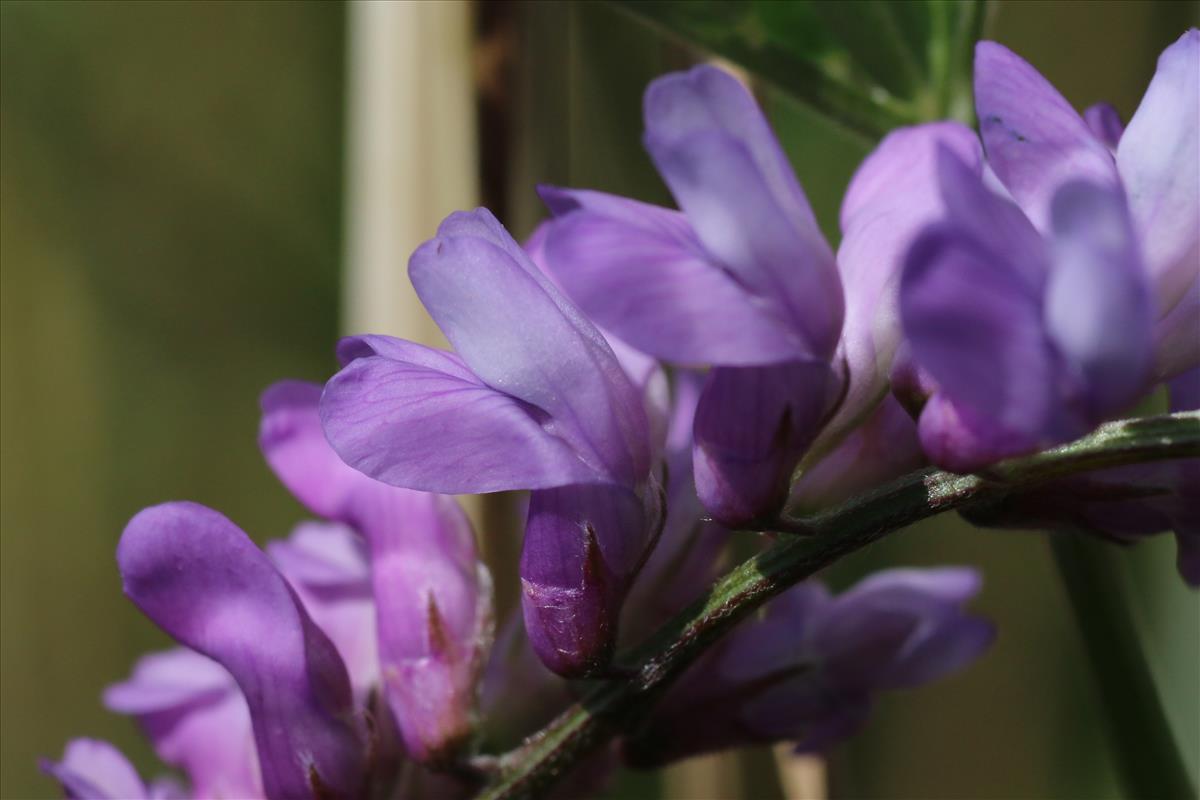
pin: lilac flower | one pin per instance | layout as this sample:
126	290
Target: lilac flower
533	398
1060	281
691	548
741	279
328	565
432	596
202	580
92	769
197	718
1125	504
807	670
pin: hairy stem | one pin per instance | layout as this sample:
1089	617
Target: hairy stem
1148	758
615	705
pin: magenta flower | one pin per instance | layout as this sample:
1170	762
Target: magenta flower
1060	282
807	671
532	398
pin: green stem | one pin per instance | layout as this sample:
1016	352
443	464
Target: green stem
1148	757
614	705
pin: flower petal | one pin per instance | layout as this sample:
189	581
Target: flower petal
639	271
583	546
92	769
409	425
1105	124
892	197
521	336
193	711
202	580
975	326
958	439
1098	308
327	566
1034	140
713	147
752	426
432	596
1159	161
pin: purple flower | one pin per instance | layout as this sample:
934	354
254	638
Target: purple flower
275	692
691	548
1124	504
807	670
1061	281
197	718
532	398
741	279
432	596
328	564
202	580
92	769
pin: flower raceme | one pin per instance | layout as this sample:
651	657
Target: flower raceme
1011	294
806	671
532	398
1062	280
740	279
276	691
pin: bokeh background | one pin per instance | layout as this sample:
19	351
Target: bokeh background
173	191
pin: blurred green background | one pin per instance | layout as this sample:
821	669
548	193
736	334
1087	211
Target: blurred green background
171	192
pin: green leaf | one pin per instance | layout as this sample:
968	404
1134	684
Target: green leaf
871	66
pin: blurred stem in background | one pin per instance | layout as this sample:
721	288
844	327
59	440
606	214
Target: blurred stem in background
1149	759
411	157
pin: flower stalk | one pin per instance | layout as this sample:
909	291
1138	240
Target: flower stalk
614	706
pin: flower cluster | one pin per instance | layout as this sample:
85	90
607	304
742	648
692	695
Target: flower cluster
655	379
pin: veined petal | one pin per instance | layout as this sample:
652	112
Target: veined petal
202	580
744	228
707	98
522	337
1159	161
894	194
350	348
716	152
976	327
639	271
432	598
92	769
583	547
901	174
1035	140
409	425
752	426
1098	307
292	439
197	718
